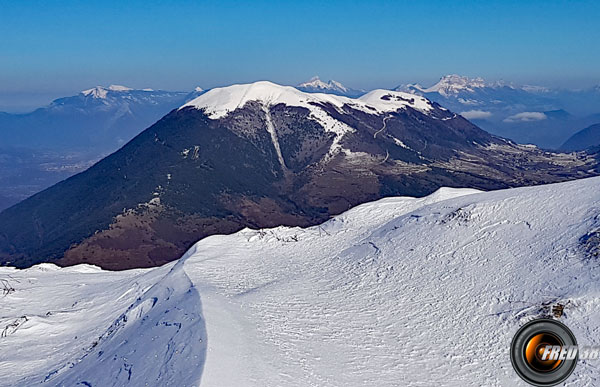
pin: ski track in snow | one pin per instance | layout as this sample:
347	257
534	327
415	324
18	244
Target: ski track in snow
398	292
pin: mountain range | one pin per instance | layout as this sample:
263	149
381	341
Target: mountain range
542	116
261	155
52	143
102	117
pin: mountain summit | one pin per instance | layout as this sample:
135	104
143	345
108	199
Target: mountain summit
454	84
219	102
503	109
53	142
262	155
102	92
102	118
316	85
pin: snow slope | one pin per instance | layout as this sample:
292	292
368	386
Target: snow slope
398	292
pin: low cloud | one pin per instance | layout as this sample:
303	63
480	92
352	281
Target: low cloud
476	114
469	101
526	117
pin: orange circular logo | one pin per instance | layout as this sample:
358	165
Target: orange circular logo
544	352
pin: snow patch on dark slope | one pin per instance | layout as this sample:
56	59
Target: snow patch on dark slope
401	291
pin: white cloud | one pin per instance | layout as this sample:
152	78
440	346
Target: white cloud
526	117
476	114
469	101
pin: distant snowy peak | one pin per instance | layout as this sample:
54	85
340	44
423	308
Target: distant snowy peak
96	92
101	91
219	102
410	88
454	84
315	83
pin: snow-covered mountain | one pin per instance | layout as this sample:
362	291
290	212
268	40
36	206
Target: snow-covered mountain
262	155
526	114
220	102
400	291
40	148
101	117
453	86
101	92
316	85
450	85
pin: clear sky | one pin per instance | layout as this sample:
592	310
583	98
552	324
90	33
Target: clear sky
57	48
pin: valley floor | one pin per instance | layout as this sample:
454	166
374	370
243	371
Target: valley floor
398	292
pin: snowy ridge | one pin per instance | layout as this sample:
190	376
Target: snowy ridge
362	297
218	102
390	101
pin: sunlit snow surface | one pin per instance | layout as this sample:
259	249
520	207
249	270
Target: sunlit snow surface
399	292
219	102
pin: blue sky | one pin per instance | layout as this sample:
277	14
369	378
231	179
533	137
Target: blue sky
56	48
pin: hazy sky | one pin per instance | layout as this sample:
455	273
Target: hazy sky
57	48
